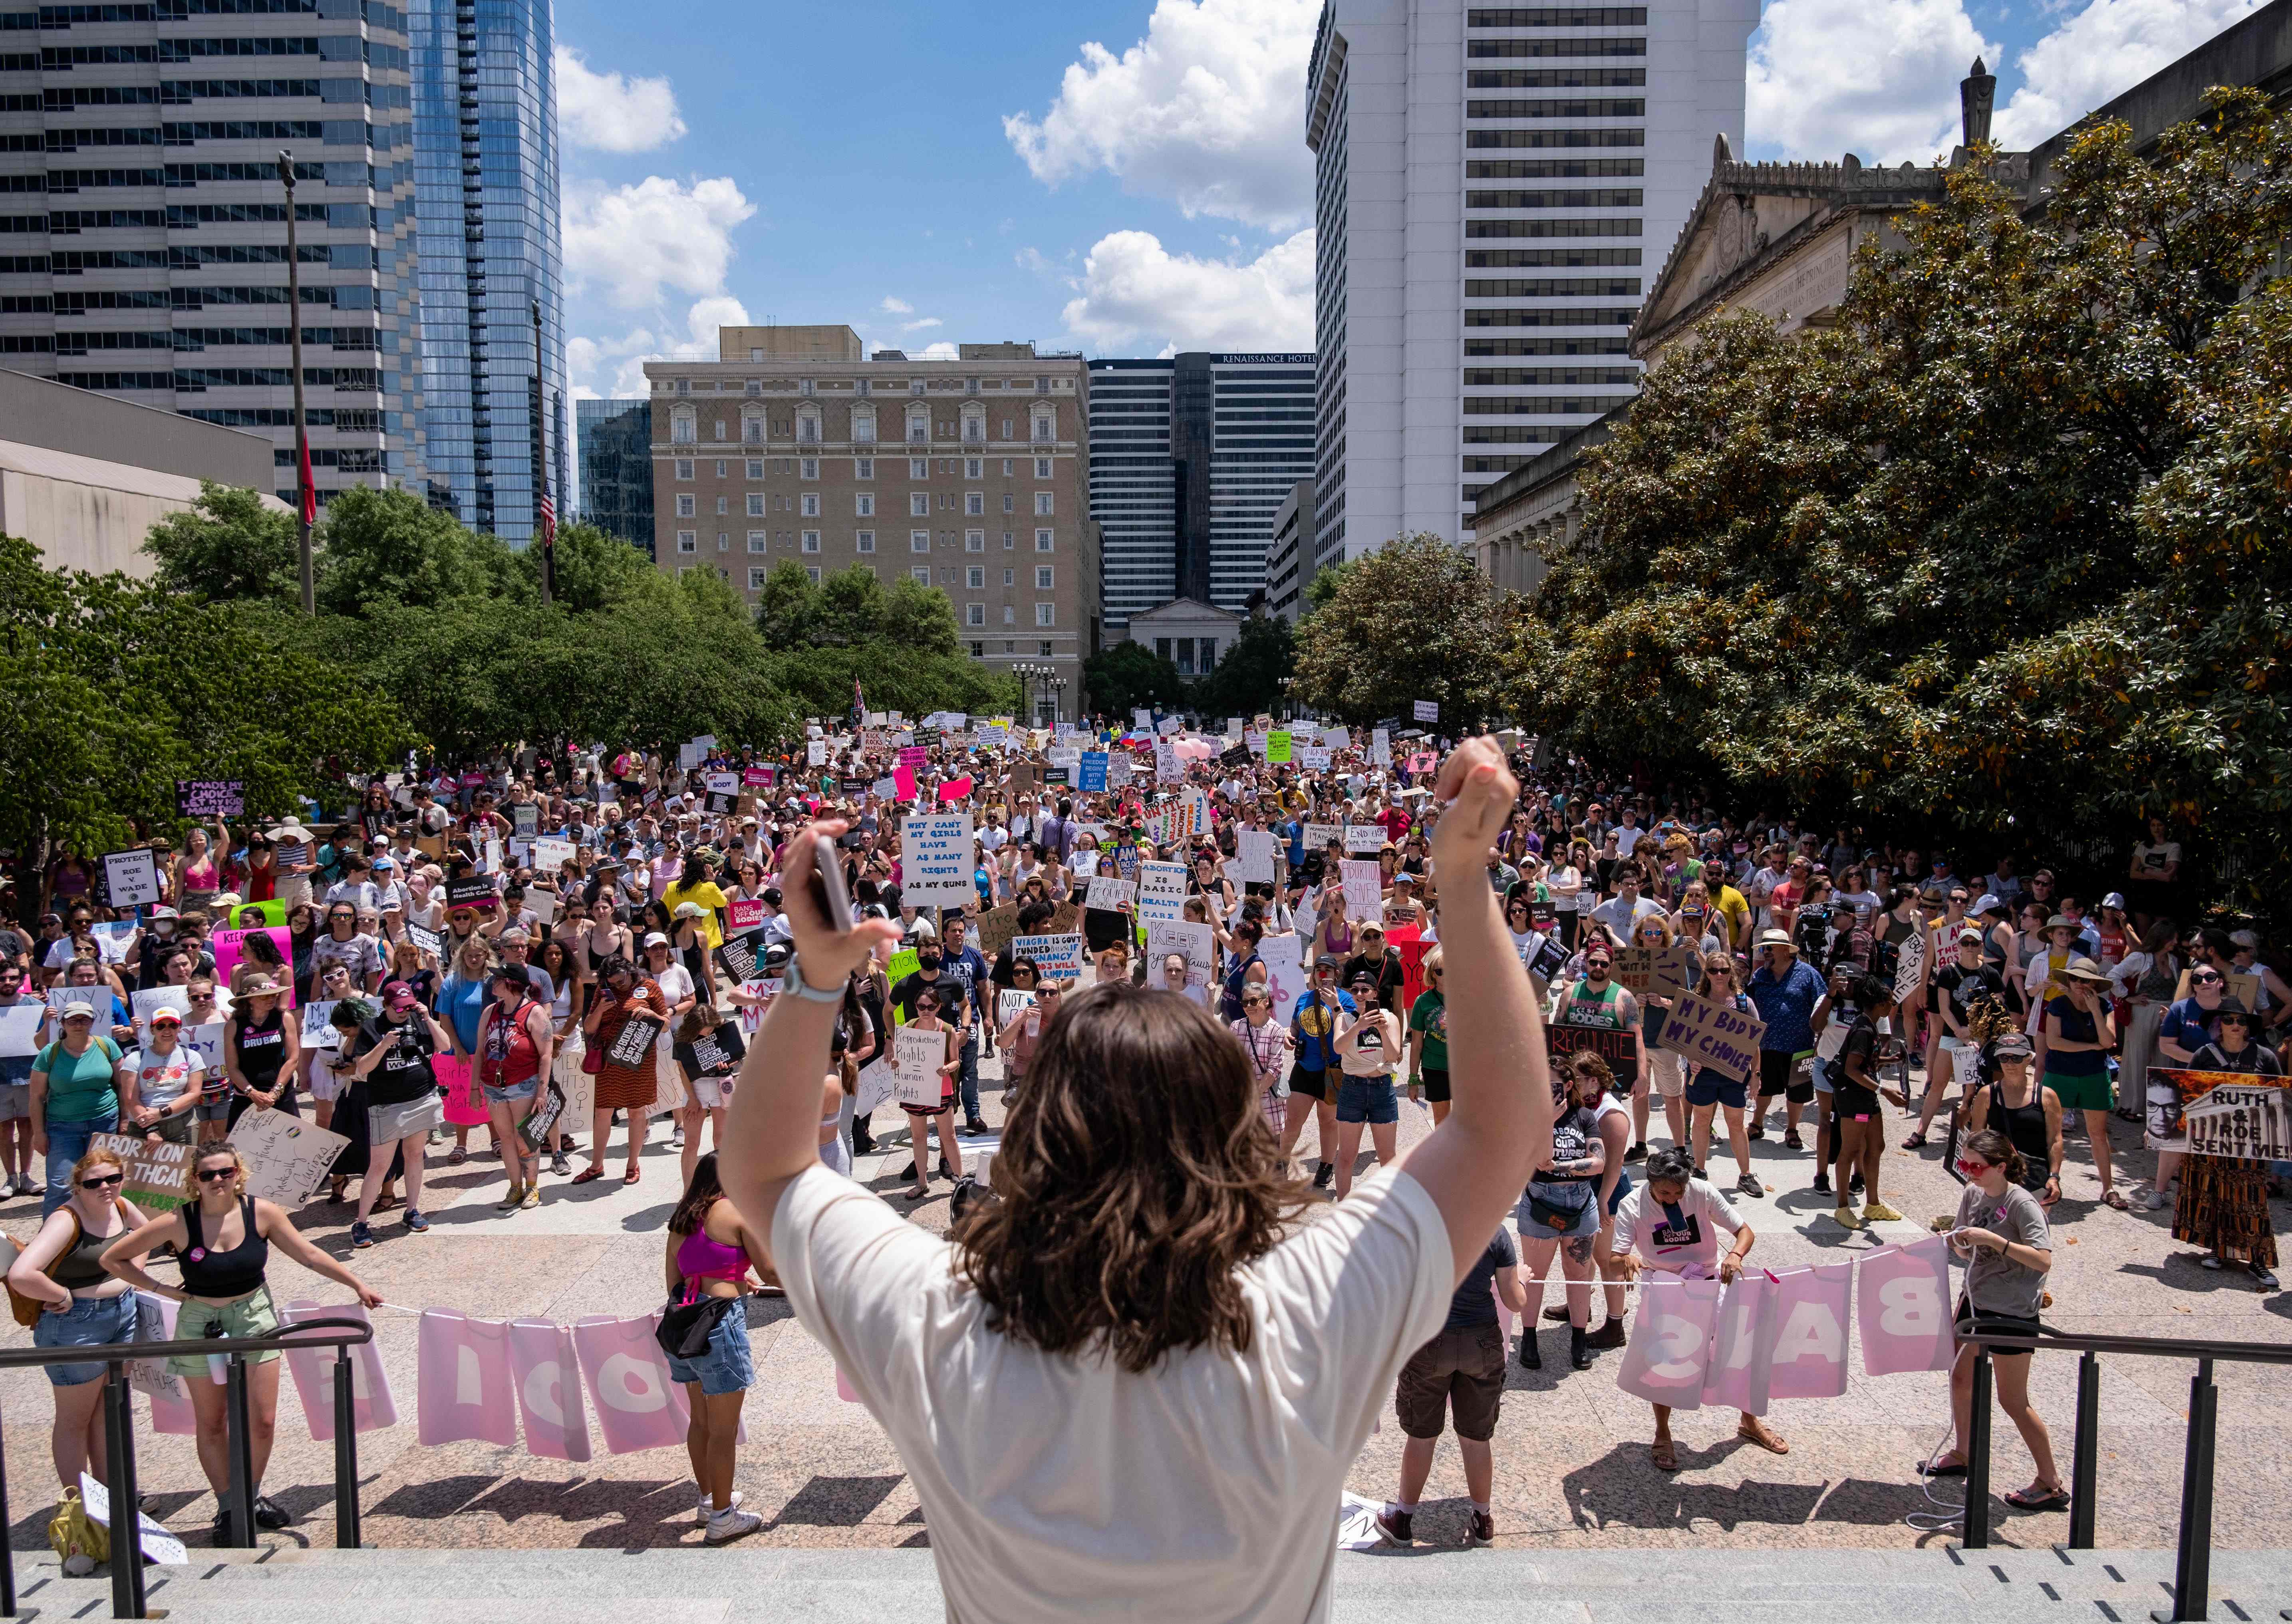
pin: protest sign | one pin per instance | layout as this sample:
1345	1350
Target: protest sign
159	1174
1119	767
916	1058
143	1001
1909	968
633	1045
1091	769
1253	861
1658	970
1167	768
741	957
815	753
1277	749
1708	1034
1314	758
2221	1113
113	938
429	941
1363	888
1059	956
525	820
131	878
1380	749
203	798
1428	710
878	1080
286	1157
1191	941
1110	893
1364	837
1610	1045
317	1029
20	1028
1161	891
551	854
935	855
1336	739
1319	835
274	955
744	914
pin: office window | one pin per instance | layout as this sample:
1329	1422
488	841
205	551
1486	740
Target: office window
804	387
809	503
863	505
1007	541
919	467
914	386
1044	432
918	541
1007	461
1043	504
755	504
1010	503
974	614
974	541
861	386
687	504
1045	541
1010	617
1046	614
865	541
687	541
807	468
1007	428
684	467
1010	577
720	428
723	545
921	572
759	541
974	503
755	467
918	503
681	430
814	573
755	580
979	650
811	541
752	428
863	467
720	467
754	387
975	578
1043	574
1042	467
971	466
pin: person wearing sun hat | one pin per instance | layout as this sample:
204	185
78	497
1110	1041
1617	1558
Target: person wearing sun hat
2075	1034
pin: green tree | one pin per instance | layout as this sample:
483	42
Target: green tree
228	545
921	618
1414	620
1248	679
595	569
1129	675
390	546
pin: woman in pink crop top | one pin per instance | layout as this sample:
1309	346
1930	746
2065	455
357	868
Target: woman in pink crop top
710	1250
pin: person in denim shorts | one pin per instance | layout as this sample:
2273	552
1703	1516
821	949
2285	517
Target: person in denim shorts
711	1249
1368	1049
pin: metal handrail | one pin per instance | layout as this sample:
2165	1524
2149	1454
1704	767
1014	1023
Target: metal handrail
2192	1560
127	1596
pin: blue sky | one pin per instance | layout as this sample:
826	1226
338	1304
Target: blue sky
1120	176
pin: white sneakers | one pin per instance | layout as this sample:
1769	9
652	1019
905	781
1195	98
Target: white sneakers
731	1523
703	1510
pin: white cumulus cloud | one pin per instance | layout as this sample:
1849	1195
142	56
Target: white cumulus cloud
1207	111
638	242
1874	77
1133	291
896	307
2104	51
921	324
939	351
612	111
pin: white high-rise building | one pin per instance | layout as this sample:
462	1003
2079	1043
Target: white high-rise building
1494	187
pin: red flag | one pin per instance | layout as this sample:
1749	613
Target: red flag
310	487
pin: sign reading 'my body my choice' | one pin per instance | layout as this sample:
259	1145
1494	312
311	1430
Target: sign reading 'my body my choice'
935	853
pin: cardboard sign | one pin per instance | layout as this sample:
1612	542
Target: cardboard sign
1640	971
1111	894
20	1028
916	1058
1193	942
1910	968
1253	861
159	1175
935	859
1161	891
1708	1034
1319	837
318	1024
1059	956
286	1157
210	797
130	880
1614	1047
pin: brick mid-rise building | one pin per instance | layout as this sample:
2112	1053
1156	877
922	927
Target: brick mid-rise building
970	474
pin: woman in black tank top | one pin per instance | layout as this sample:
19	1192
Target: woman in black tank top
2015	1104
224	1237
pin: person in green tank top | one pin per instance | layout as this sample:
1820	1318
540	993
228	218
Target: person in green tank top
1599	1003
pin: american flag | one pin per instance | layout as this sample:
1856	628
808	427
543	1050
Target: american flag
858	704
548	520
308	486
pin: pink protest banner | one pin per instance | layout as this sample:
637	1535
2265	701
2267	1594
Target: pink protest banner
955	789
1902	1308
462	1372
275	955
639	1404
756	777
312	1368
1812	1309
742	914
915	757
466	1102
1742	1344
903	783
549	1403
1669	1356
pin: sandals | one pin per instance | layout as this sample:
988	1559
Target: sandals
919	1195
1932	1468
2114	1197
1752	1430
2043	1499
632	1176
1916	1142
589	1175
1666	1457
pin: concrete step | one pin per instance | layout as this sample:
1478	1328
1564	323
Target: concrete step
1941	1585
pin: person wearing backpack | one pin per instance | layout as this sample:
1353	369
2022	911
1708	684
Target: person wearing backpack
59	1287
75	1087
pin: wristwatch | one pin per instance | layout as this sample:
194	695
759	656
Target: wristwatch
792	981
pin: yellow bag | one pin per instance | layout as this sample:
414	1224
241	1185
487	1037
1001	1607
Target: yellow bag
72	1532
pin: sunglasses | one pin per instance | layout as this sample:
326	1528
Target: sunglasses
1971	1169
2204	981
98	1183
215	1176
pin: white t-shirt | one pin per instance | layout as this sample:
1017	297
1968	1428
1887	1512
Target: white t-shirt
1703	1212
1057	1486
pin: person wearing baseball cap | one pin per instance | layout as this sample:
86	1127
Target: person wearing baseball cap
1313	1025
170	1077
2016	1104
76	1082
1367	1049
392	1057
1959	984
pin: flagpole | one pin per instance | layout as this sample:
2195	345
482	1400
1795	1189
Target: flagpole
306	493
544	510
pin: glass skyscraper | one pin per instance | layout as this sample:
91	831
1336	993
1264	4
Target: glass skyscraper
486	196
617	468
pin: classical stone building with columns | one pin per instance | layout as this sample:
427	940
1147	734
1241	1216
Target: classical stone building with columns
1533	510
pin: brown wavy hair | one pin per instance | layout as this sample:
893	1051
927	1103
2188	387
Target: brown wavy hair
1136	1175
